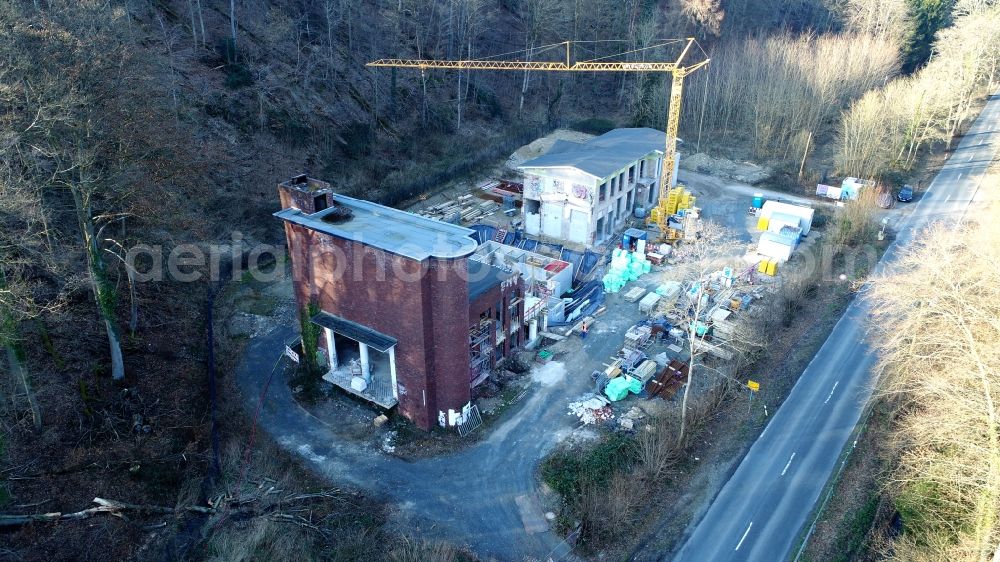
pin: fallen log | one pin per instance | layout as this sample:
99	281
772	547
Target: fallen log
118	509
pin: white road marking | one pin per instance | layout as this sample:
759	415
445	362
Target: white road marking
980	143
948	198
747	532
971	156
959	175
831	392
788	464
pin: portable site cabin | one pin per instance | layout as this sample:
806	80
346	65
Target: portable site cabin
805	214
778	221
776	246
851	188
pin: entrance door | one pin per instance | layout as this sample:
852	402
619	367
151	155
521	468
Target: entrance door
552	221
578	222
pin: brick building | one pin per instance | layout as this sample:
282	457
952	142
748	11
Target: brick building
401	306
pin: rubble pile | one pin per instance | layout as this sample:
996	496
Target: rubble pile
592	409
743	172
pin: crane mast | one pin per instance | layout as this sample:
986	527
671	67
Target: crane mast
660	214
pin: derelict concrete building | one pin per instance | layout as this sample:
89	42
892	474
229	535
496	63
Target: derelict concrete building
582	192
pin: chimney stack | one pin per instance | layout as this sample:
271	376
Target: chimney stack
305	194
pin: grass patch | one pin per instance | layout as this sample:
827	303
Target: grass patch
856	530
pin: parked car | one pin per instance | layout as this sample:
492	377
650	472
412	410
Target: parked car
905	194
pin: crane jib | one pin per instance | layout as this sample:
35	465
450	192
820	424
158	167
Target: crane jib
531	65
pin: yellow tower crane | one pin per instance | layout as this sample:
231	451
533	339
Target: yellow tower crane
666	205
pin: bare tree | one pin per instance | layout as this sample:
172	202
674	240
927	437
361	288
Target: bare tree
66	74
535	16
936	322
709	251
887	127
777	90
708	14
879	18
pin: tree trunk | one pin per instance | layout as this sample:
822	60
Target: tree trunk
692	334
201	23
232	27
458	101
704	102
20	373
194	27
684	405
103	292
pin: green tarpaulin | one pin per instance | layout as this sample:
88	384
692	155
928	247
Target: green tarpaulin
617	389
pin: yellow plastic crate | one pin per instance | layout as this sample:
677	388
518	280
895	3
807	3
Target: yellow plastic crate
762	266
763	223
772	267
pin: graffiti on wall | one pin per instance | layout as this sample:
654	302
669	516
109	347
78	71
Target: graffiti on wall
582	192
532	187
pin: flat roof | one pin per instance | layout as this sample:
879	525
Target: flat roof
604	155
484	276
392	230
353	330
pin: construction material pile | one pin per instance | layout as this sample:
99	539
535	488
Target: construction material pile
465	209
591	409
625	267
619	387
677	201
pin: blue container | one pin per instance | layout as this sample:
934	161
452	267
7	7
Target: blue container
758	200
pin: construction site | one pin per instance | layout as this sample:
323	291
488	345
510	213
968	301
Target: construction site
589	291
419	308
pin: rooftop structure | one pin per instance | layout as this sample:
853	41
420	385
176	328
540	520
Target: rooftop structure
543	275
602	156
483	277
392	230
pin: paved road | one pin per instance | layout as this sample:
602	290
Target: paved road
760	512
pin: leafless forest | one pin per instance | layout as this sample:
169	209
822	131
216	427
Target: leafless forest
127	123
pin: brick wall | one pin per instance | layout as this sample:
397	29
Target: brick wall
424	305
487	302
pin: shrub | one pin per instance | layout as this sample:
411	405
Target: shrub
237	76
570	473
854	224
358	140
310	340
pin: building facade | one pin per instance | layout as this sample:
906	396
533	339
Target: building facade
395	299
581	193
